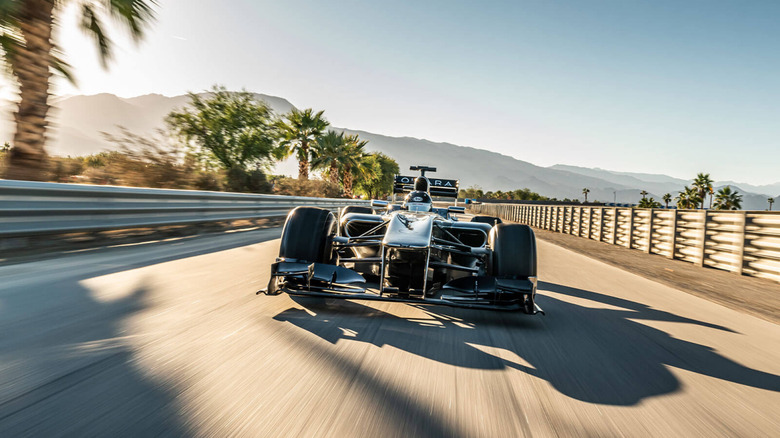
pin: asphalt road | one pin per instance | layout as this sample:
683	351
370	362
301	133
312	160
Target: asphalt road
170	339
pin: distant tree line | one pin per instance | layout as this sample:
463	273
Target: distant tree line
695	196
476	192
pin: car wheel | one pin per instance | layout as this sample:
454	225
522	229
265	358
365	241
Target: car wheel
307	235
487	220
356	209
514	251
514	256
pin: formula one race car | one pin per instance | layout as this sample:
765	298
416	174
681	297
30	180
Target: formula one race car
410	252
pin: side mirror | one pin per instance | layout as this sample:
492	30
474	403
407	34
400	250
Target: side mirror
454	209
376	203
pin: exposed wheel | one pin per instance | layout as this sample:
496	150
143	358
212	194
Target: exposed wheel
514	251
307	235
487	220
514	256
356	209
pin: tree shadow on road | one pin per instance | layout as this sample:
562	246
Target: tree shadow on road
69	370
600	354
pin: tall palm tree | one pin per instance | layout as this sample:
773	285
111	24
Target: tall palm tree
585	192
30	54
771	201
726	199
330	150
644	194
703	184
667	199
297	132
352	161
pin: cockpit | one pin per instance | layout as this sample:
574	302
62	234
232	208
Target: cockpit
418	201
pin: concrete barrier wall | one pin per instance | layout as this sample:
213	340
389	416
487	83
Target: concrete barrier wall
744	242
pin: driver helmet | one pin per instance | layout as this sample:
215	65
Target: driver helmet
421	184
418	201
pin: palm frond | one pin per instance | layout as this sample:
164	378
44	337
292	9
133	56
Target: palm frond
136	14
10	43
91	24
61	66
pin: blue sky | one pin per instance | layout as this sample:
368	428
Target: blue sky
675	87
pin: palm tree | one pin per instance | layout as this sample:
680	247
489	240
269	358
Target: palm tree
728	200
585	192
771	201
703	184
352	162
667	199
30	52
688	198
329	153
644	194
297	133
648	203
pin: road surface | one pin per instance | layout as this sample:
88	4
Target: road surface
169	339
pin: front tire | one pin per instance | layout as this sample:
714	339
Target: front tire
307	234
514	256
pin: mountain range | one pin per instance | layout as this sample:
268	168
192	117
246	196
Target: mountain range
79	121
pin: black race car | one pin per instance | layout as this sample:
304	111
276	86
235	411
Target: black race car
410	252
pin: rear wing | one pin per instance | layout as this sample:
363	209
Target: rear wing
446	188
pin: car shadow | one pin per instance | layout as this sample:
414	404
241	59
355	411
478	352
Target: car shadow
602	355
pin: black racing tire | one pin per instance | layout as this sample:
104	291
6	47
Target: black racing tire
356	209
487	220
307	235
514	251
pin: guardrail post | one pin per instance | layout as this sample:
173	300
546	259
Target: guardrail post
539	213
547	217
674	234
538	216
571	220
631	228
650	233
579	222
614	225
590	221
741	243
601	223
703	253
548	220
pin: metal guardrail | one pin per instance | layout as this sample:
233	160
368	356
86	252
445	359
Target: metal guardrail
744	242
28	208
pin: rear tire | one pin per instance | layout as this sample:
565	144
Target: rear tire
307	235
487	220
356	209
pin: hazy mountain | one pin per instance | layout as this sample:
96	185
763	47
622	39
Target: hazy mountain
77	123
754	197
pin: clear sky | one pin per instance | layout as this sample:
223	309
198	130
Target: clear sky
674	87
